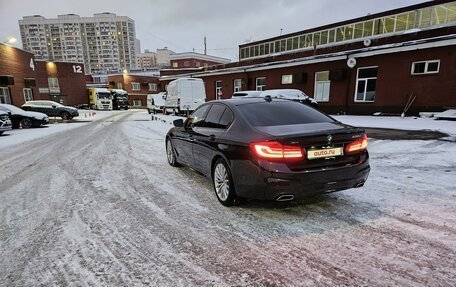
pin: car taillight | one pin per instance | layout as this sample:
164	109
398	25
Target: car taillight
358	145
275	150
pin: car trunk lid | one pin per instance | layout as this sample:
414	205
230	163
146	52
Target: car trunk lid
323	143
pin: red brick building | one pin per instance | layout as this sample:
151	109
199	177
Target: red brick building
17	75
370	64
137	87
195	60
23	78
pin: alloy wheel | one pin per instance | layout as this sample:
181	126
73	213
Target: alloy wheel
221	182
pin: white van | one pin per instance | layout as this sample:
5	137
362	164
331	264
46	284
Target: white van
156	102
184	94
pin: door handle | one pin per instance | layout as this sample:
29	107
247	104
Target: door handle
212	137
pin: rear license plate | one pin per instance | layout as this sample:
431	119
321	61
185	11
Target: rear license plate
323	153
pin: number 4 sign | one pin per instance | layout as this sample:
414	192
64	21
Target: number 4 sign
32	65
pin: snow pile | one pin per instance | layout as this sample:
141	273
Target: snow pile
449	114
408	123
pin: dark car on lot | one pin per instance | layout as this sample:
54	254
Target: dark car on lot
5	122
52	109
272	149
24	119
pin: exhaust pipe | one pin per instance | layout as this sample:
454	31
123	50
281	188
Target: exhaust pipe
285	197
359	184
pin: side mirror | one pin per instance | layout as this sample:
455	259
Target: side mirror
179	123
54	106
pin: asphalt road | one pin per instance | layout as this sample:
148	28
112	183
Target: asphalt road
99	206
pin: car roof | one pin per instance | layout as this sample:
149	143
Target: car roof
244	101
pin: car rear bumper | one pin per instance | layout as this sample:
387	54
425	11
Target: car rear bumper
44	121
6	126
282	186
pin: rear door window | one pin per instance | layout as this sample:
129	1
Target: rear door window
226	119
214	115
278	113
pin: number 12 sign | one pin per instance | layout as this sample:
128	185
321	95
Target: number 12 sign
77	69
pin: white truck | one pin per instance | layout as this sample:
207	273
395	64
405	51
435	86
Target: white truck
184	94
100	99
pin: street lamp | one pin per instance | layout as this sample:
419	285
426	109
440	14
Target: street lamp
10	40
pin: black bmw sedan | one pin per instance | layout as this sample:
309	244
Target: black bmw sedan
271	149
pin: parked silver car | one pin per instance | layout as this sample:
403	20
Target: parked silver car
5	122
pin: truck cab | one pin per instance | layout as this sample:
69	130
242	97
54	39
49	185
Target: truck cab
100	99
119	99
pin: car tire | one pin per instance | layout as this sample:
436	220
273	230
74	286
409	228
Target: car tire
26	123
170	154
65	116
1	133
223	184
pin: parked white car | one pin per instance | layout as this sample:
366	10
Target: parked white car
240	94
156	102
291	94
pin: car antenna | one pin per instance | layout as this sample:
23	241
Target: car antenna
268	98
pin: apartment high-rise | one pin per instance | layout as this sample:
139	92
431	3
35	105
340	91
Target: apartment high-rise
104	43
146	60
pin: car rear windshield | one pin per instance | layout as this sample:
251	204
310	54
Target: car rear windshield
281	113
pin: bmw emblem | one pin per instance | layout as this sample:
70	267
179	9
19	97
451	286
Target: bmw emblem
329	138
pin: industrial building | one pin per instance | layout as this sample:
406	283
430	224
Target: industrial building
375	63
23	78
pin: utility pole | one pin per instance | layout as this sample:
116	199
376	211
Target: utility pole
205	47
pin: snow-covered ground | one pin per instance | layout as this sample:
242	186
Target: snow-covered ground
99	205
18	136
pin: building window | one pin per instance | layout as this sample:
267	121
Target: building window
186	63
218	90
28	94
137	103
5	97
365	84
135	86
260	84
287	79
175	65
322	84
197	64
237	85
119	85
152	87
425	67
53	82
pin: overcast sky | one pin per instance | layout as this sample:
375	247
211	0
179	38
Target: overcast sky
181	25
